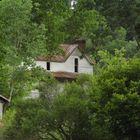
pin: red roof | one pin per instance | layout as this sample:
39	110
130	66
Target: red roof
67	51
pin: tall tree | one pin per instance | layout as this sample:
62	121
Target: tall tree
52	14
123	13
86	22
116	86
20	41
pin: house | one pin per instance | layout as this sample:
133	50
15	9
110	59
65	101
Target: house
70	63
3	102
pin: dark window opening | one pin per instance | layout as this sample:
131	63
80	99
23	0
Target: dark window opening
76	65
48	65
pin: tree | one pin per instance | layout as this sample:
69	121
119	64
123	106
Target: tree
65	117
52	15
105	106
20	42
87	24
124	114
116	86
118	41
30	117
122	13
102	107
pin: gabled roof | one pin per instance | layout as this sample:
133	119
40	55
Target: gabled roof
68	49
4	99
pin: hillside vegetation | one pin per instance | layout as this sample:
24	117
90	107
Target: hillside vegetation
105	106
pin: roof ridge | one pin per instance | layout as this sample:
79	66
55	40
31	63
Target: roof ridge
68	50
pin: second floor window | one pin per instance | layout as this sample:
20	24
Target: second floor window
48	65
76	65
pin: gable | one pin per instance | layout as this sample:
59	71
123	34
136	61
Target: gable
81	55
76	52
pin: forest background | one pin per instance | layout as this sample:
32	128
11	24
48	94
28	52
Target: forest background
104	106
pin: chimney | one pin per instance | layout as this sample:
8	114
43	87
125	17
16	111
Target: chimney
81	43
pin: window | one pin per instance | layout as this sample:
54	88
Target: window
48	65
76	65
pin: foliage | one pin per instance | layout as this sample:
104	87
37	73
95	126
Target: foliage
53	124
104	106
52	15
118	41
47	86
117	92
124	113
122	13
20	41
86	23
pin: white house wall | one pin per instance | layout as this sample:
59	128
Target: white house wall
1	110
68	65
42	64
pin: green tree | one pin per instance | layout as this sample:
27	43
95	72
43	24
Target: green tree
20	42
52	15
124	114
87	23
117	40
30	117
122	13
65	117
117	93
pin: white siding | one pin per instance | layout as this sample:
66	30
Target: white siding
42	64
68	65
1	110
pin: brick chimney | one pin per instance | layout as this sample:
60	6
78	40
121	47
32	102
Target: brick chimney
81	43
